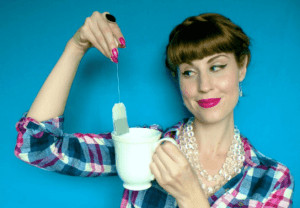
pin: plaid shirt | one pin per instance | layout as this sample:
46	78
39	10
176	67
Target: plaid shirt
262	182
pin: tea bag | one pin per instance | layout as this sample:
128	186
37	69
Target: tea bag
120	119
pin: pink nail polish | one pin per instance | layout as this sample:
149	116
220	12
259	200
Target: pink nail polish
115	53
122	41
114	59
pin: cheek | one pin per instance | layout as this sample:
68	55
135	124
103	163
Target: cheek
229	85
186	90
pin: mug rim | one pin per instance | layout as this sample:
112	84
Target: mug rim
156	136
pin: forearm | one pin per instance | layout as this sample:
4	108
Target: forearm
52	97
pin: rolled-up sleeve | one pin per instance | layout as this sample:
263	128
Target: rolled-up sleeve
45	145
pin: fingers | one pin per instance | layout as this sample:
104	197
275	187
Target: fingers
99	32
111	33
173	152
162	159
168	159
86	34
119	38
103	34
155	171
172	171
166	170
115	29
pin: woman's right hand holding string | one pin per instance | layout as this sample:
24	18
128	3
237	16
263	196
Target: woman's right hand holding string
102	32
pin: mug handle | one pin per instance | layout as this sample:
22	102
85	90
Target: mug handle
169	139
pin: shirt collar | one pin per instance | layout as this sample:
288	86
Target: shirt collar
251	158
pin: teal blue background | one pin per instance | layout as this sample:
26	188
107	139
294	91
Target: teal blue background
33	34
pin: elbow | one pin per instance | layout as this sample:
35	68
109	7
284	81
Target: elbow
22	156
18	146
19	149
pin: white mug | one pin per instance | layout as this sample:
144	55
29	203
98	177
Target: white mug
134	152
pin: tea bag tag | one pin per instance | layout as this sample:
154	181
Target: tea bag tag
120	119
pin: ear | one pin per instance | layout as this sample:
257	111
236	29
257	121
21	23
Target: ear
243	69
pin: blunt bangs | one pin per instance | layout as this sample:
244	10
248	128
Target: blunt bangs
197	38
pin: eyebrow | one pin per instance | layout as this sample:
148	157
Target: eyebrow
213	58
209	61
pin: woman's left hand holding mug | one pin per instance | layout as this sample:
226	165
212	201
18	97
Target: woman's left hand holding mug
173	172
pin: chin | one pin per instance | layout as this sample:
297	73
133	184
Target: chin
212	117
208	119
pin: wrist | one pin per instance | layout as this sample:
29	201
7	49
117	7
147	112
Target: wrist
194	203
73	48
195	199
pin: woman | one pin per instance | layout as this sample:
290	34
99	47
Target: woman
214	166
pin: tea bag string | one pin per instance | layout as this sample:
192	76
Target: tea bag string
118	79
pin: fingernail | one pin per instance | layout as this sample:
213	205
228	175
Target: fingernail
115	53
114	59
122	41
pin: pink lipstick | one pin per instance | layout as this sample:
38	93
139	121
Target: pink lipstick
209	103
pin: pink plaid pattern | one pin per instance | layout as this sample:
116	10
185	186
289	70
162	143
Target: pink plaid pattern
263	182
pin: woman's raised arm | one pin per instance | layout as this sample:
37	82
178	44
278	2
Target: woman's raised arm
100	31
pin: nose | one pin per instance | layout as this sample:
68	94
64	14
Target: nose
204	83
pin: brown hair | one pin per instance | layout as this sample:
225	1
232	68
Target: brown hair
204	35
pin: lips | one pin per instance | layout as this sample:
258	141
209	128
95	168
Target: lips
209	103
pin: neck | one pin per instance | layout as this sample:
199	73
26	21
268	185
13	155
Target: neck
216	138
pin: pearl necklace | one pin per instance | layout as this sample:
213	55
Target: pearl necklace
232	166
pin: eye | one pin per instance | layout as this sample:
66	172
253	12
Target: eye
215	68
187	73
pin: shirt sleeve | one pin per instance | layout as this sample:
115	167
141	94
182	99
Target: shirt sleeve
45	145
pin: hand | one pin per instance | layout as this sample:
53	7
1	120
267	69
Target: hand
101	33
173	172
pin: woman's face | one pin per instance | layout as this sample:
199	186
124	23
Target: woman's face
210	86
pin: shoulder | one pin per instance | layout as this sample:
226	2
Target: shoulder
265	170
255	157
259	159
280	172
